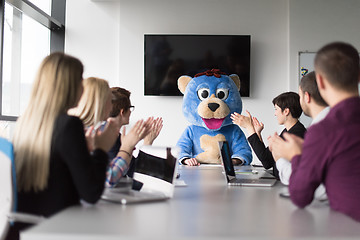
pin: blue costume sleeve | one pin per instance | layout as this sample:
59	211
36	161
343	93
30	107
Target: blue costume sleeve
185	144
240	146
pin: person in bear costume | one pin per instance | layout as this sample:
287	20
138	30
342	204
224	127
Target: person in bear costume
209	99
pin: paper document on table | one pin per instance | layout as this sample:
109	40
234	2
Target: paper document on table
180	183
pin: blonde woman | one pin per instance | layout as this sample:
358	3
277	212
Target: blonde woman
54	168
95	103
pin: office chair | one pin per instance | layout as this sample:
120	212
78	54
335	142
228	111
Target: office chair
8	191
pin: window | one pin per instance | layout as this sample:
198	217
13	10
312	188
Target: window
26	43
30	30
44	5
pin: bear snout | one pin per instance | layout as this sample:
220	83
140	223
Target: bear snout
213	106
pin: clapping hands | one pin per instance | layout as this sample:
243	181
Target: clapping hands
154	131
288	148
103	139
250	123
259	126
137	133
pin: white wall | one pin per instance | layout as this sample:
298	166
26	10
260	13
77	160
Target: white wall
313	24
108	38
92	35
316	23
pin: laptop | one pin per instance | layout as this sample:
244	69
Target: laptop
154	175
254	178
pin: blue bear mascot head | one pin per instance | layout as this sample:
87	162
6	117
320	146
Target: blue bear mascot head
209	99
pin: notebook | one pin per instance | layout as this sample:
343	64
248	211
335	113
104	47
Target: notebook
250	178
155	171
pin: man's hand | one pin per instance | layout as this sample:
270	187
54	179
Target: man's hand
288	148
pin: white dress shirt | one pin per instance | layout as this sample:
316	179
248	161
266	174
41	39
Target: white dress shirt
284	165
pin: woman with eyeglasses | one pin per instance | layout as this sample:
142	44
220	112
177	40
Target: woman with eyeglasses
121	111
94	110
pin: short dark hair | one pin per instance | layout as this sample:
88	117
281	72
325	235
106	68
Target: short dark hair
120	100
290	100
308	84
339	62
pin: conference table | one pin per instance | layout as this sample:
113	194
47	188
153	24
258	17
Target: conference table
206	208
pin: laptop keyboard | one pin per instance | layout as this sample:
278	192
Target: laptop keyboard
238	181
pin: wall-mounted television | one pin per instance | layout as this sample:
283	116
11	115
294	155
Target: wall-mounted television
169	56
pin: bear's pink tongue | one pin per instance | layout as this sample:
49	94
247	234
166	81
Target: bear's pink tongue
213	123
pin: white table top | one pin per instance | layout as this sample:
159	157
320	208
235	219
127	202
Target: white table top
204	209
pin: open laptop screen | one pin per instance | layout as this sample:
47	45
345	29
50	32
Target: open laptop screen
155	166
226	159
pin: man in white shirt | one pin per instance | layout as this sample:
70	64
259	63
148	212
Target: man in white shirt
314	106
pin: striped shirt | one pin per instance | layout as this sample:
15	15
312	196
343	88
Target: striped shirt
116	170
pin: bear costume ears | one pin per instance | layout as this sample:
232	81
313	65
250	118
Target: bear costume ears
236	80
184	80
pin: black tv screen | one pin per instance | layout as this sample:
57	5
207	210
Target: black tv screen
167	57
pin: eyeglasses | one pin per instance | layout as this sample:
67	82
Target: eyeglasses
132	108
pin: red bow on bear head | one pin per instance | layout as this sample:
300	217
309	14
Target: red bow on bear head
212	72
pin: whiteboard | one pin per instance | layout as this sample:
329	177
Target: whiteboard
306	63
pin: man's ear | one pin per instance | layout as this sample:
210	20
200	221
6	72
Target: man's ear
320	80
121	113
307	97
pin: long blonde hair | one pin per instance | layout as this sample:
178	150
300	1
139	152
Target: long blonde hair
91	105
54	91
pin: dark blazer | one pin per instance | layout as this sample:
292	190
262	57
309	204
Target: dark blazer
264	154
74	174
